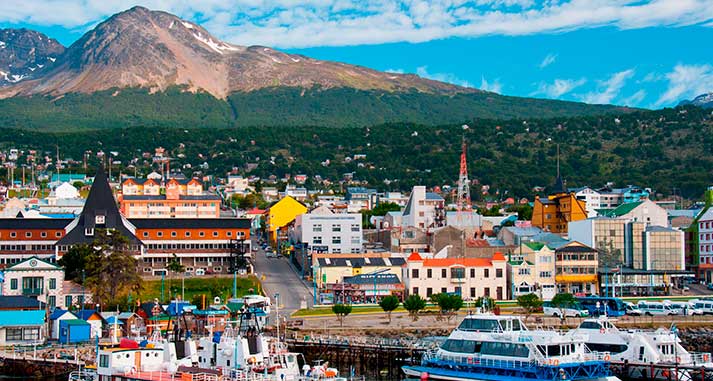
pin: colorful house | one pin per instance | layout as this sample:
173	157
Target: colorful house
576	267
94	319
560	207
74	331
22	327
281	214
55	318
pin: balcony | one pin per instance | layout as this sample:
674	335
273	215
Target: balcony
32	291
458	280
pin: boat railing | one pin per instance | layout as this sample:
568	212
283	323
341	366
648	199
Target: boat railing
80	375
699	358
478	360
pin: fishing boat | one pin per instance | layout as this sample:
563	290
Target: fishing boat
487	347
639	349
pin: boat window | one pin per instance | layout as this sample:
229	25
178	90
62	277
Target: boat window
484	325
612	348
461	346
550	350
516	325
590	325
505	349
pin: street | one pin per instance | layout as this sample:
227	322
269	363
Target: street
279	277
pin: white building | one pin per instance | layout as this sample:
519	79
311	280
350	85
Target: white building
469	277
237	184
424	210
34	277
326	231
592	199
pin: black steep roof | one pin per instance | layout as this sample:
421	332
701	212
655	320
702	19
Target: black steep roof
100	202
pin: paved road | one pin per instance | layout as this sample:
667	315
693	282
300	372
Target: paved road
281	278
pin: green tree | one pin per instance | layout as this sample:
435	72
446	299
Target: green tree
530	303
75	261
448	304
341	310
174	266
608	256
388	304
413	304
485	302
111	269
563	300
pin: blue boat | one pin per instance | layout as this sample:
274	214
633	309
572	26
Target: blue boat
487	347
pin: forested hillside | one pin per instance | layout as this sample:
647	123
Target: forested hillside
659	149
280	106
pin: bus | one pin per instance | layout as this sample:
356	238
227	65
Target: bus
600	305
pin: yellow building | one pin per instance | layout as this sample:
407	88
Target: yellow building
576	267
282	214
554	212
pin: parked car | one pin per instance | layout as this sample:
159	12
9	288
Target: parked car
706	306
632	309
571	311
657	309
200	272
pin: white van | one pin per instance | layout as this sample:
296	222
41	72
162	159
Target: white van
657	309
571	311
706	306
686	308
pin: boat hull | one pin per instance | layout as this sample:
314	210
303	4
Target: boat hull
452	375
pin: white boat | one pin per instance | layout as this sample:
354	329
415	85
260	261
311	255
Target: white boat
637	347
487	347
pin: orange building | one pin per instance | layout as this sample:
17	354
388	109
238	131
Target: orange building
142	198
554	212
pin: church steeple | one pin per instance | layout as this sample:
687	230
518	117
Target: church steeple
558	186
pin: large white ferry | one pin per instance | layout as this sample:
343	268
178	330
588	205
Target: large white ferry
641	348
488	347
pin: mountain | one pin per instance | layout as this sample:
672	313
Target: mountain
150	68
703	100
25	52
156	50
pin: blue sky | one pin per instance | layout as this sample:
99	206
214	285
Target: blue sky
632	52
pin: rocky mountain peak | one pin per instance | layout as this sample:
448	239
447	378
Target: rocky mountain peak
24	53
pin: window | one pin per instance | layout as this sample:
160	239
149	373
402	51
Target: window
356	240
498	273
472	273
53	283
429	292
356	227
336	228
187	234
545	274
159	234
414	273
486	273
317	240
89	231
146	234
201	234
523	271
457	273
486	291
28	234
336	240
415	290
444	273
13	234
67	301
444	290
43	234
52	301
58	234
173	234
13	284
99	220
429	274
104	361
13	334
472	292
215	234
317	228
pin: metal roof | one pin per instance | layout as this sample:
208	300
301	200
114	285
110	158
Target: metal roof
360	262
19	302
22	318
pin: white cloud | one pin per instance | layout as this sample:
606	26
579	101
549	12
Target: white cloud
548	60
609	89
395	71
422	71
559	87
304	23
495	86
635	99
686	81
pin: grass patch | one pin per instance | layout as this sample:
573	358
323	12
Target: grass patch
208	286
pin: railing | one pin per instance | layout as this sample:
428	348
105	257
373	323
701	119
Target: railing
479	360
699	358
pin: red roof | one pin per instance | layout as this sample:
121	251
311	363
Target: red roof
414	257
498	256
467	262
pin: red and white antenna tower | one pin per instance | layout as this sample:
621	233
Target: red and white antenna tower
463	201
